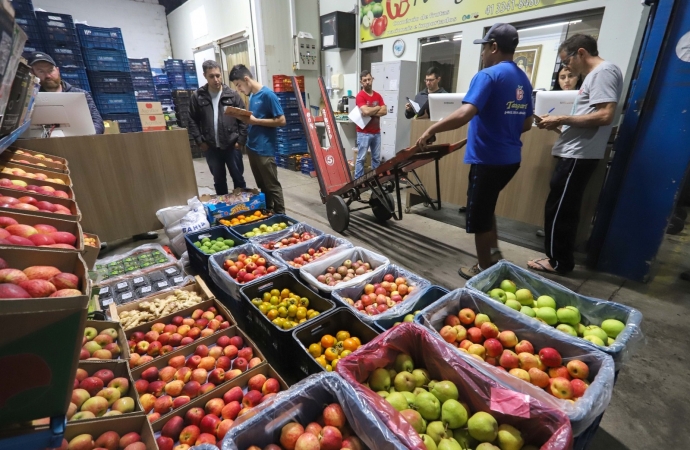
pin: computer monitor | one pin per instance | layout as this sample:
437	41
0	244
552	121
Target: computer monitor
554	103
442	105
68	111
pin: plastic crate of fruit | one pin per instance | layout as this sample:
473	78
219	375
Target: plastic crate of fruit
198	250
276	222
296	234
430	295
305	253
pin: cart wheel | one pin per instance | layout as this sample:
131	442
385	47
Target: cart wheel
378	208
338	213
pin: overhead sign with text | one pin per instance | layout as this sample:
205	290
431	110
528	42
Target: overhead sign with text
386	18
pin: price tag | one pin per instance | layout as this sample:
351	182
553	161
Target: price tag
146	289
122	285
139	280
106	302
170	270
178	280
104	290
163	284
126	296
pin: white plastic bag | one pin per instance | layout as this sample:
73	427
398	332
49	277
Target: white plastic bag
180	220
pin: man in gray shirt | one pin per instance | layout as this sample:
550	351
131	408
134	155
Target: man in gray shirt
580	147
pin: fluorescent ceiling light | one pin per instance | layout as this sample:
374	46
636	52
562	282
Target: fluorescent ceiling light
435	42
559	24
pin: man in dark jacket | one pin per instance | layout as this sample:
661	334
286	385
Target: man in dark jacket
432	80
43	66
219	135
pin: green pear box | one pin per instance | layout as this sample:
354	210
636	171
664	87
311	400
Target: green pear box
264	369
120	370
33	169
101	325
27	218
40	342
120	424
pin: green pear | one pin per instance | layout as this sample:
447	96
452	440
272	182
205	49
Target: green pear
428	406
404	363
487	446
418	390
415	420
409	396
428	442
508	286
545	300
404	381
462	435
483	427
431	384
453	414
528	311
383	394
421	377
524	296
548	315
449	444
380	380
444	390
392	390
612	327
398	401
509	438
594	330
436	430
510	296
567	329
392	373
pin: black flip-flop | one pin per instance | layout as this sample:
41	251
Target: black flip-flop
542	268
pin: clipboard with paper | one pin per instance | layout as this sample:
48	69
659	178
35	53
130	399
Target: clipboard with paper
416	106
357	117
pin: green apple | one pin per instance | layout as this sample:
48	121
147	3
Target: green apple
545	300
594	340
514	304
528	311
594	330
498	294
580	329
409	318
569	315
510	296
567	329
524	296
483	427
612	327
548	315
508	286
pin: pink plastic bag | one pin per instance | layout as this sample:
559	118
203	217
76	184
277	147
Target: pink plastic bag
539	424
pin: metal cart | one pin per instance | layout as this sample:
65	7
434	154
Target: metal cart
339	191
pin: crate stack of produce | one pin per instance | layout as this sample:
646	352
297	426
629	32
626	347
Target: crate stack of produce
163	91
142	80
174	69
306	165
109	76
61	42
181	101
26	18
190	77
291	137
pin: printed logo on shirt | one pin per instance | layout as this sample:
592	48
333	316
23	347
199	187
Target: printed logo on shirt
514	107
519	93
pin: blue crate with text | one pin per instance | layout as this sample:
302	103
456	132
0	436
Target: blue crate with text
110	82
65	55
140	65
106	60
76	77
56	27
103	38
116	103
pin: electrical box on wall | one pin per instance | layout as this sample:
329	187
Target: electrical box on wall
338	31
306	53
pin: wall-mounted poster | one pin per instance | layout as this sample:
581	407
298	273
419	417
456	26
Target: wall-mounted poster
527	59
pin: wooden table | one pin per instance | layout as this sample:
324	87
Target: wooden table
121	180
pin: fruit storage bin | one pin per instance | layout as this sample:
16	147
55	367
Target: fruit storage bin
583	411
283	83
304	403
140	65
106	60
274	338
274	219
110	82
540	424
355	291
120	425
116	103
325	240
103	38
198	259
430	295
298	228
120	369
593	310
330	323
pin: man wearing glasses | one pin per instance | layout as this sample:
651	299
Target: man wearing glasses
432	80
580	147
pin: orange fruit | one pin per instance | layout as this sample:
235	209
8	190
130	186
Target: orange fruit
342	335
257	213
356	339
331	354
350	344
327	341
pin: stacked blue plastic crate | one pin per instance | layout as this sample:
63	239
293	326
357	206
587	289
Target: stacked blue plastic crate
59	40
26	18
163	91
174	70
142	80
109	76
306	165
191	80
291	137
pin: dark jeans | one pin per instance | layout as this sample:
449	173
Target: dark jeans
217	160
562	210
266	176
486	181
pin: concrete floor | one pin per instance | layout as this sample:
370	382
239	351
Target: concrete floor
636	418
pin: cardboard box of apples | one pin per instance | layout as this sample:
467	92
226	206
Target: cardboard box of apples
69	237
42	336
37	204
426	393
32	160
104	335
322	411
121	433
525	355
625	329
35	173
208	418
166	384
37	183
40	156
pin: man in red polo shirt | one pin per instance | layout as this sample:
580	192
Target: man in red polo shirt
371	105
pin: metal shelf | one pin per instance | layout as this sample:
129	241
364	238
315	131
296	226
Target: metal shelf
13	136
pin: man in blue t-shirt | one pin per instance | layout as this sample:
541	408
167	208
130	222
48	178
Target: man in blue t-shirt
262	136
498	107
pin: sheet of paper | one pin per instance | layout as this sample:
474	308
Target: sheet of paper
393	85
357	117
414	105
328	40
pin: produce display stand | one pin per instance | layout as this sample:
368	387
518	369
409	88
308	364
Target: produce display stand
339	190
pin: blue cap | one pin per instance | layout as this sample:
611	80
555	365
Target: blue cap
504	34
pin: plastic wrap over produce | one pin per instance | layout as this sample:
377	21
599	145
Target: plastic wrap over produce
276	238
593	310
312	271
584	410
224	281
325	240
304	403
404	307
139	260
539	424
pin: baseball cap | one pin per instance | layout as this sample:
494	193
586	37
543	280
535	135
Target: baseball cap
504	34
40	56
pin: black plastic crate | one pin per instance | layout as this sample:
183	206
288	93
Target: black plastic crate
56	27
128	123
276	339
30	26
66	55
110	82
22	6
198	259
116	103
103	38
182	95
277	218
145	95
76	77
330	323
106	60
140	65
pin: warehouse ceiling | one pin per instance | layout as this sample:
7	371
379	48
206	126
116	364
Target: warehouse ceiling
170	5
